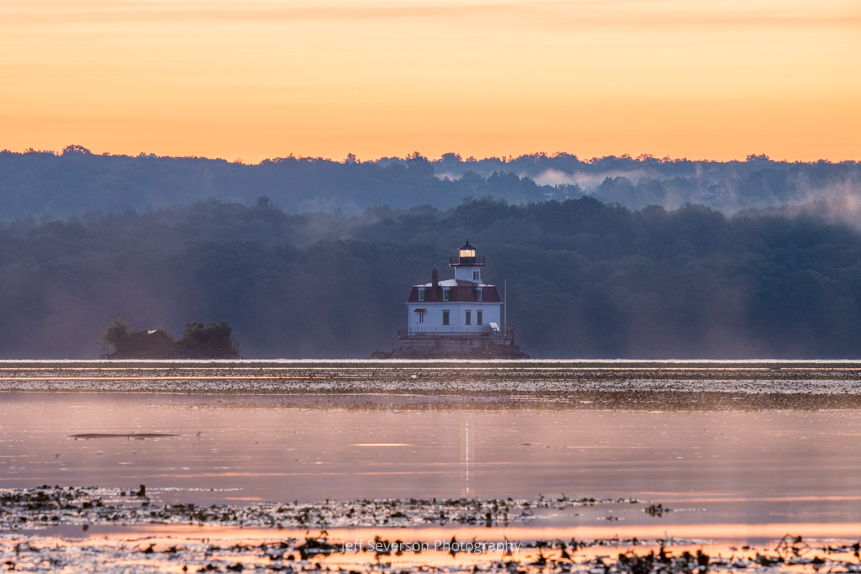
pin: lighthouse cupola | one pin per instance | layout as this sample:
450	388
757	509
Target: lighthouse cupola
467	265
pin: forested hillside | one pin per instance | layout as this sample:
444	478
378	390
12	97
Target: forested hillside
585	279
48	185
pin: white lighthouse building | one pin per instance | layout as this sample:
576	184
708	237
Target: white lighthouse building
456	318
463	305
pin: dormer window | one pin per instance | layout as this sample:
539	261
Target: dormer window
446	293
421	293
479	294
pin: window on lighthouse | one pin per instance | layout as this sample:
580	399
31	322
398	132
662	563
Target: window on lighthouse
475	275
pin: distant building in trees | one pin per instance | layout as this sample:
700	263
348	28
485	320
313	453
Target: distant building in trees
712	193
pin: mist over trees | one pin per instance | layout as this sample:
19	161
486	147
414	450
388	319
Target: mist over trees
46	185
585	278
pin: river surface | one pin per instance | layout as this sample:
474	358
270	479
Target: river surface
717	461
746	474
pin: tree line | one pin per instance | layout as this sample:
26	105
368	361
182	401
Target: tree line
45	184
585	278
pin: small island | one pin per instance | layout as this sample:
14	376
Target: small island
212	341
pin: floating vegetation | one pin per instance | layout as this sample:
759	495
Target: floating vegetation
127	436
226	550
321	553
47	506
656	510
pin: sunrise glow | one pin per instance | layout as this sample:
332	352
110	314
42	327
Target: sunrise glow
265	78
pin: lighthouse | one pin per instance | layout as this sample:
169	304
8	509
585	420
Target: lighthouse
459	317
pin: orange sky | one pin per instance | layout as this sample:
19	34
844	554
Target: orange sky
263	78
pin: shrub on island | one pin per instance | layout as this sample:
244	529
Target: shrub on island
212	341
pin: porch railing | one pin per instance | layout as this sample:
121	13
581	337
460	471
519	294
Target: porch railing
455	332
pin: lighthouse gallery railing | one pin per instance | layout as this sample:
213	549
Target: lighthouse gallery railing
455	332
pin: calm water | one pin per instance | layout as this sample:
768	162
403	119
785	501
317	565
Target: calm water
765	471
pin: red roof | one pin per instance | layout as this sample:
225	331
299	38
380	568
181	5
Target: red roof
459	293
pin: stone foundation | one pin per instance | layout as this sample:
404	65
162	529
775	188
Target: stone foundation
480	346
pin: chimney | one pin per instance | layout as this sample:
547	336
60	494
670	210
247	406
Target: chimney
435	278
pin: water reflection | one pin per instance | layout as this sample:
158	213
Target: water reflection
768	470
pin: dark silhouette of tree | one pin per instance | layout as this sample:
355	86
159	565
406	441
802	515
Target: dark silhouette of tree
146	344
213	341
76	150
419	164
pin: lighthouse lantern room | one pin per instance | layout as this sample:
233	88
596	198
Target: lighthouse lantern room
466	265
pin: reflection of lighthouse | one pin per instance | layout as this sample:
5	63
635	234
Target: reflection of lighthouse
467	456
467	448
